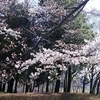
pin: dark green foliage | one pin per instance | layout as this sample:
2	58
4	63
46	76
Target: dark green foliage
17	22
40	79
41	2
79	31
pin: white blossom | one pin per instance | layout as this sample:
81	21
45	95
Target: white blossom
49	77
7	59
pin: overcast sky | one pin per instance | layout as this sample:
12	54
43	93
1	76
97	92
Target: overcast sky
90	5
94	20
93	4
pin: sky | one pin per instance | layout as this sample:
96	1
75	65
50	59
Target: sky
93	4
90	5
35	1
94	20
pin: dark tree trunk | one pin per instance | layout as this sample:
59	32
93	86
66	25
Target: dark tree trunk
42	87
47	82
47	85
83	91
3	87
16	79
23	87
95	83
98	87
27	87
52	87
69	79
31	88
94	86
10	85
65	82
38	88
91	84
0	86
57	86
28	79
91	80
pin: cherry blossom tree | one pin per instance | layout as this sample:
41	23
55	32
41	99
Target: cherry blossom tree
38	49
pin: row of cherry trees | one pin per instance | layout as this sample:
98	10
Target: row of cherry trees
38	46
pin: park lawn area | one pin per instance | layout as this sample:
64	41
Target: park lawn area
47	96
95	98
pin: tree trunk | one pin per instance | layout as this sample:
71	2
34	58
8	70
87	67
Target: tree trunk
38	88
10	85
31	88
83	91
91	80
3	87
95	83
0	86
27	87
23	87
28	80
94	86
42	87
98	87
65	82
47	85
57	86
69	79
16	81
52	87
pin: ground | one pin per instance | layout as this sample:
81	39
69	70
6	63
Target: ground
48	96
